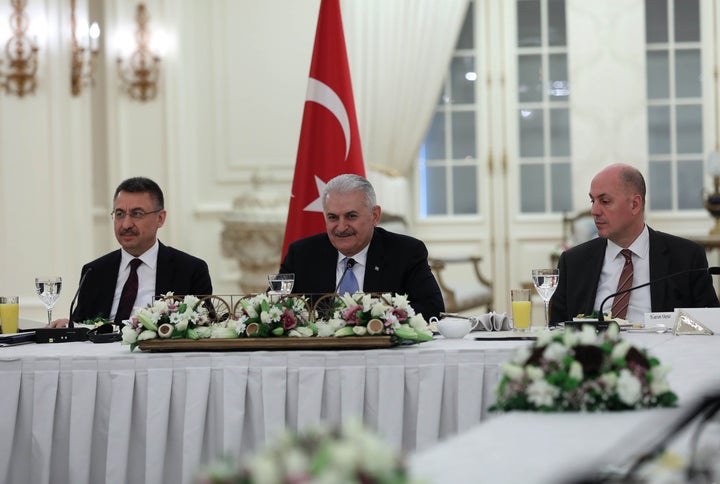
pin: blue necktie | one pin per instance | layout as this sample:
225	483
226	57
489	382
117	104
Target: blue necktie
349	283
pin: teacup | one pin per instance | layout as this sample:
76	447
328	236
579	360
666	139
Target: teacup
454	328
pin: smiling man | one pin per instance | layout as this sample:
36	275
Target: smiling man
143	267
628	253
356	255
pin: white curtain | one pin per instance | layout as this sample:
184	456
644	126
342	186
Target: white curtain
399	52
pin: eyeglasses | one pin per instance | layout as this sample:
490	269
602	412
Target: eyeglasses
135	214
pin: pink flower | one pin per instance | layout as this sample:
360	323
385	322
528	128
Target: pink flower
351	314
288	319
400	314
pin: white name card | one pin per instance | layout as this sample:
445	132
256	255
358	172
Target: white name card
652	319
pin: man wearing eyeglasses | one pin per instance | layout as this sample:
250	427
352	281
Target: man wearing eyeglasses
143	268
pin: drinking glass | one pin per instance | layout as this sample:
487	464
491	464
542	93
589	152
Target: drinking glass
48	289
521	309
546	281
281	284
9	314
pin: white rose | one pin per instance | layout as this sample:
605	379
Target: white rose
620	350
589	335
659	382
191	301
264	469
571	338
251	312
204	331
522	354
129	335
325	329
182	323
544	338
576	371
360	330
220	332
555	352
301	332
629	388
147	334
265	317
613	332
609	380
418	322
535	373
542	394
512	371
401	301
378	310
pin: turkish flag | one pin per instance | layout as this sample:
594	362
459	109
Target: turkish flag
329	137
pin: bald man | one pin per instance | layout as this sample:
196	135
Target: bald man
591	271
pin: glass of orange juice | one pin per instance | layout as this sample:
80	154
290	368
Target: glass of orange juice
9	314
521	309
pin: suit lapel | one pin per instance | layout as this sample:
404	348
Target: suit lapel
659	267
595	261
327	267
165	271
374	263
107	284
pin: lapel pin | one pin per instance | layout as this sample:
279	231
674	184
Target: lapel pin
377	268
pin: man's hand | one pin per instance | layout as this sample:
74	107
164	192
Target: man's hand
58	323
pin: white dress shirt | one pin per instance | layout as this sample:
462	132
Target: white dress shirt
610	275
146	278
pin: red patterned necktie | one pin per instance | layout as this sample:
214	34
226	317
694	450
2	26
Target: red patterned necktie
620	304
129	293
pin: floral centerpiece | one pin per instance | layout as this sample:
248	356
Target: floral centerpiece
364	314
583	371
168	317
351	455
265	315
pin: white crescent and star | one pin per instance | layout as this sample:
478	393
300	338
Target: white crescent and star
321	93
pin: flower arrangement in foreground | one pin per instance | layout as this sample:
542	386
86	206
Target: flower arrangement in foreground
583	371
364	314
351	455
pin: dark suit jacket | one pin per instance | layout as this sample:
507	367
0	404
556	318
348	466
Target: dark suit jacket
176	271
395	263
580	269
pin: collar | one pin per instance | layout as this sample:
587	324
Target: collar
360	257
149	257
640	246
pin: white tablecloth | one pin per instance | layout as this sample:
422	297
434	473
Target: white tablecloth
535	448
79	412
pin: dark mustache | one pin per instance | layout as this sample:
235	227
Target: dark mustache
128	231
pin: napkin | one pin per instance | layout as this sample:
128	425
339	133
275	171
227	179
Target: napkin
492	321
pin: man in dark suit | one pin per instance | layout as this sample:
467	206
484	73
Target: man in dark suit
138	212
591	271
382	261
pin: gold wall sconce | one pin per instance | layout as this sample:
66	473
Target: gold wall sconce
83	53
139	74
21	55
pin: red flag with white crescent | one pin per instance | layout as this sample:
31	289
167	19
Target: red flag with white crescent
329	137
